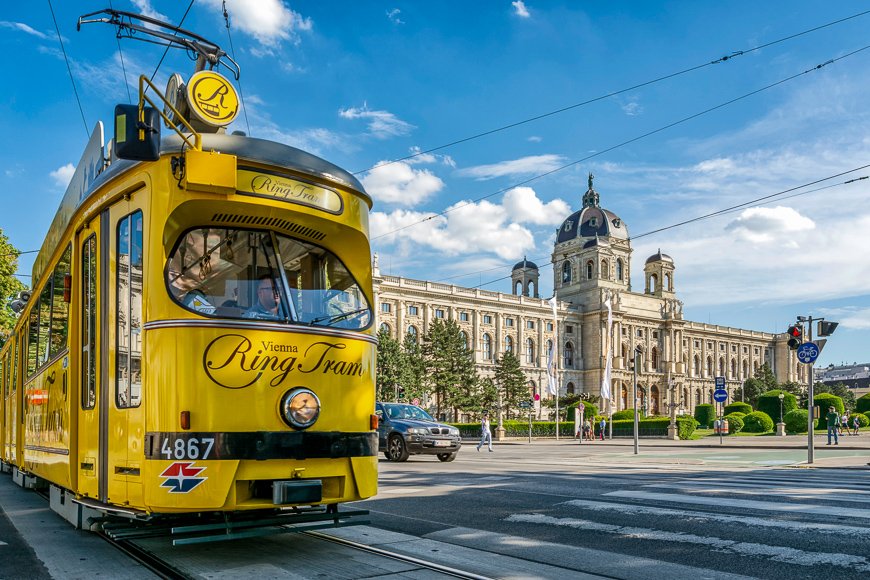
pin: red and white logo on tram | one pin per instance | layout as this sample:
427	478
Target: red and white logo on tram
182	477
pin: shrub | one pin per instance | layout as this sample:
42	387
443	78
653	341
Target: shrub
769	403
863	420
758	422
735	422
590	410
796	421
862	405
823	401
705	415
867	414
738	407
624	415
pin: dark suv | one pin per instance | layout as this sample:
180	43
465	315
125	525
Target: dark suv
405	430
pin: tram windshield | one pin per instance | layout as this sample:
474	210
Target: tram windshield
261	275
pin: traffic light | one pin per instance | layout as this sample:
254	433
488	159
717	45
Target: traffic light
795	336
827	328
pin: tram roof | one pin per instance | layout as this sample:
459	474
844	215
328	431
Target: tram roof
89	177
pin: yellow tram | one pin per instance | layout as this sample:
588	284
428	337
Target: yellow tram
199	336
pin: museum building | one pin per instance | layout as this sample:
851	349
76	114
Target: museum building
678	359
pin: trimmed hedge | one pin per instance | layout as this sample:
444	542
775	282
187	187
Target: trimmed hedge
862	405
624	415
705	415
657	427
823	401
735	422
863	420
769	403
796	421
589	410
867	414
758	422
738	407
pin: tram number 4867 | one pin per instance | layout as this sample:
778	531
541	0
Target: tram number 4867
186	448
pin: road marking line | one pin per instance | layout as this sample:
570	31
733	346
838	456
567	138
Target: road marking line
793	484
776	553
830	494
634	509
744	503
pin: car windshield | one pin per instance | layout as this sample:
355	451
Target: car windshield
398	411
261	275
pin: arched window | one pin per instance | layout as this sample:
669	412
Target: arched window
624	351
508	344
530	351
653	282
549	347
697	400
624	397
696	366
745	374
619	273
386	328
486	347
605	269
570	388
654	400
533	390
412	332
566	272
755	367
654	359
709	367
464	336
685	400
589	268
733	368
667	283
569	356
721	367
518	287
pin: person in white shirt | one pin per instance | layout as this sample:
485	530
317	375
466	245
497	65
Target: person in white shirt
485	435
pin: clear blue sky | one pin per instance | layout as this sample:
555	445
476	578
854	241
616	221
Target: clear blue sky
360	83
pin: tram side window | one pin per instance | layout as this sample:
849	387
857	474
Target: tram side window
33	341
3	381
128	362
49	319
89	323
230	273
59	305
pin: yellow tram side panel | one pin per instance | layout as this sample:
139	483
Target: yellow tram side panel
47	422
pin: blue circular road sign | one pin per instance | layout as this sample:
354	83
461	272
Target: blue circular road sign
720	395
808	352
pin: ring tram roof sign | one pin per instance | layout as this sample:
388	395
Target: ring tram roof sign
212	99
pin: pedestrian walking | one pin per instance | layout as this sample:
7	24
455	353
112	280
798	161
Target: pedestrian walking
833	419
485	434
602	426
589	434
856	424
844	423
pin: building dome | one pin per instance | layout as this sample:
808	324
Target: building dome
592	220
524	264
659	257
596	243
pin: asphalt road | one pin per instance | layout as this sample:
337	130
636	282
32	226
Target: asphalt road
615	515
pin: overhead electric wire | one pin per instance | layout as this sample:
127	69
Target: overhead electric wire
180	24
733	208
123	67
624	143
239	81
69	70
614	93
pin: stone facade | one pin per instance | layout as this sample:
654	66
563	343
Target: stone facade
679	359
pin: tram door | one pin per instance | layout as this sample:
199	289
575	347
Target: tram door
88	255
122	414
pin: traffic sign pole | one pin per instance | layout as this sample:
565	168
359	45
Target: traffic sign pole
810	449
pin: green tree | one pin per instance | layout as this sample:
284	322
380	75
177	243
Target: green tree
762	381
485	396
511	382
449	368
9	286
839	389
413	370
391	366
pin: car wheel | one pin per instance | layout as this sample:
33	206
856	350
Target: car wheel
446	457
396	449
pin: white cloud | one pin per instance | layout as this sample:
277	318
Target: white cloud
854	317
62	175
270	22
770	224
632	109
523	206
419	157
146	9
23	28
534	139
393	15
520	9
534	164
400	184
381	124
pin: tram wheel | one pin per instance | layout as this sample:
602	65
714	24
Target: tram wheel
396	449
446	457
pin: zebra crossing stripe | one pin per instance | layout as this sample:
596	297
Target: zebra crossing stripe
829	494
634	509
740	503
782	554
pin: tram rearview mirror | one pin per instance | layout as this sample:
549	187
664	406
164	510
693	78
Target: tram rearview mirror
128	145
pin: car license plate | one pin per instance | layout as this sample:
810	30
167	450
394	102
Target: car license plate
442	443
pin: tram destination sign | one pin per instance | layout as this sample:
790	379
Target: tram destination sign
288	189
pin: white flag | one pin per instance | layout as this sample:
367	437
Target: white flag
551	371
608	364
553	302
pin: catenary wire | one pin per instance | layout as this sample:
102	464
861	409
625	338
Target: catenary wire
123	66
614	93
69	69
180	24
233	51
622	144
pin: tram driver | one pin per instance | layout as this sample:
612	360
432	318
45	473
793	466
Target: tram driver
268	302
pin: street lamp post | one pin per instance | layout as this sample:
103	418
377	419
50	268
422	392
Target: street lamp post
780	427
781	397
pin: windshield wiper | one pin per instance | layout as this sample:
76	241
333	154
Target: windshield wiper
337	317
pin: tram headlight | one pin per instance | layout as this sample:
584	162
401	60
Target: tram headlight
300	408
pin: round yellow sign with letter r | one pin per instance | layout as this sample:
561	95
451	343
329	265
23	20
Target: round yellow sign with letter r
212	98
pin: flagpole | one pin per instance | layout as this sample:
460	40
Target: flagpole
555	362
